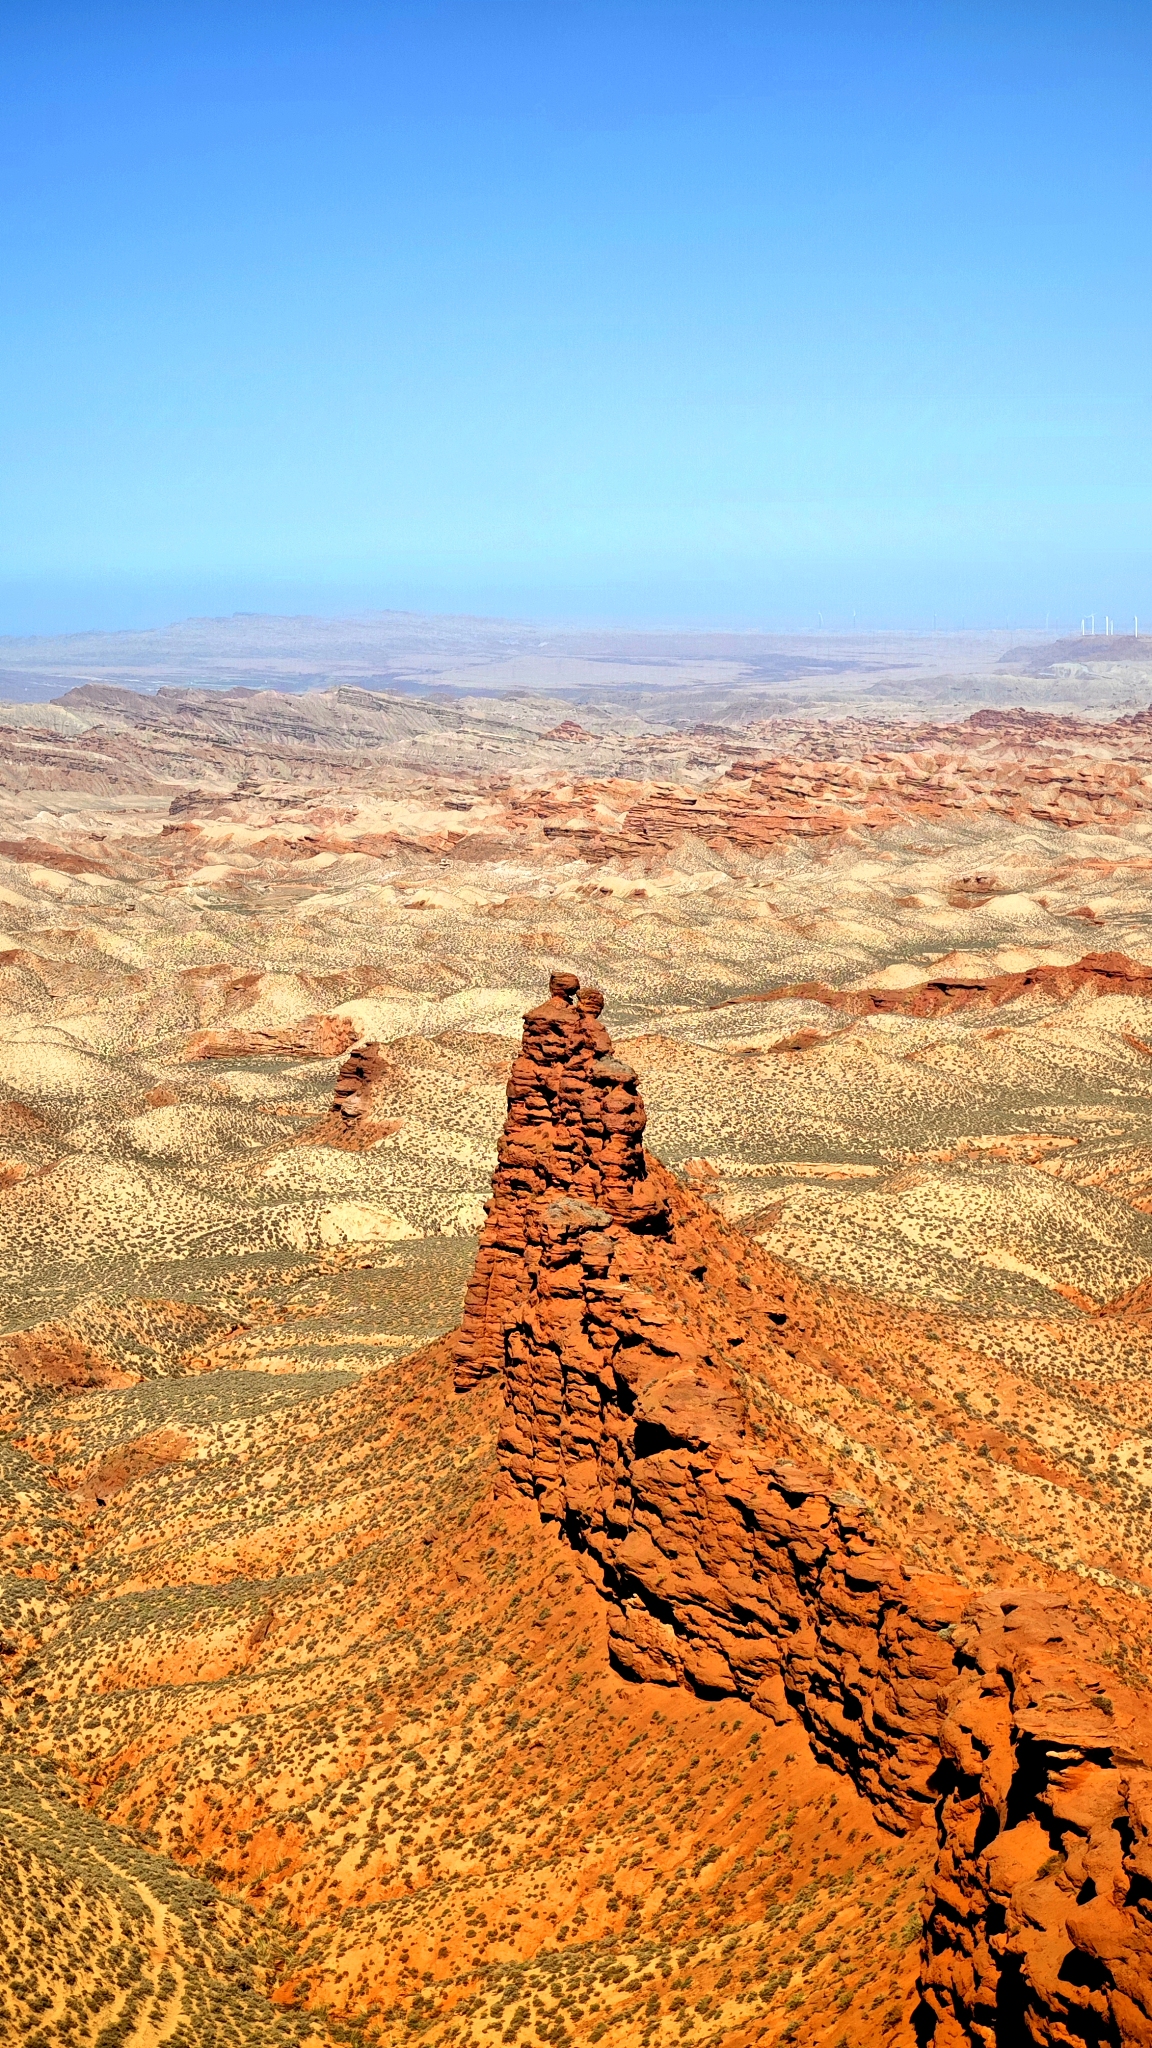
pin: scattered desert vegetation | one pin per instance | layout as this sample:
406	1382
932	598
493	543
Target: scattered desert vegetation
313	1732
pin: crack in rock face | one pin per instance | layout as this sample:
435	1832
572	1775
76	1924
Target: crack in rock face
625	1319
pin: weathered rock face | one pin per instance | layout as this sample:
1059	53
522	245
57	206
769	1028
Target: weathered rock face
352	1096
313	1038
574	1131
350	1123
625	1320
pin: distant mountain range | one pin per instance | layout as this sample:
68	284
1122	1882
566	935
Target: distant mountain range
416	653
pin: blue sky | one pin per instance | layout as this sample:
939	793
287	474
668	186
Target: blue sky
735	314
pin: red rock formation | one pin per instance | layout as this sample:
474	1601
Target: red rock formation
1103	973
625	1318
37	852
313	1038
349	1124
574	1130
352	1096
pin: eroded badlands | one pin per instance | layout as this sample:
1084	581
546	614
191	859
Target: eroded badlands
333	1710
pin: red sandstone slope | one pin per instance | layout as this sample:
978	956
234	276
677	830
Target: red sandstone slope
333	1678
598	1297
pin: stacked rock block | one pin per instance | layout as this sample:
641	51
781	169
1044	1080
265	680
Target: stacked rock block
602	1296
362	1070
349	1124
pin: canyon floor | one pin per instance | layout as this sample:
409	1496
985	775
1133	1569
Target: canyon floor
313	1733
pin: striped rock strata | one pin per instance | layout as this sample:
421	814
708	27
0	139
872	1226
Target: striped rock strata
626	1321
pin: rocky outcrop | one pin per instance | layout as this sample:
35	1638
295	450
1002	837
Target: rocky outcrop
629	1326
349	1124
1100	973
313	1038
130	1462
356	1081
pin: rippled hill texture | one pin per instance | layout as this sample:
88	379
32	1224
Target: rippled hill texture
342	1702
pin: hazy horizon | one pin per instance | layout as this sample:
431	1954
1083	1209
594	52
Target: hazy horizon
637	314
830	628
106	610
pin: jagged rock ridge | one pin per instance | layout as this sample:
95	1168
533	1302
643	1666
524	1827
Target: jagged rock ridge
626	1319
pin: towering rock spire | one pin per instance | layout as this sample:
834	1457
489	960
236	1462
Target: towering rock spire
625	1319
574	1130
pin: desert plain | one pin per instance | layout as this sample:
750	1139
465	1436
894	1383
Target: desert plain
318	1723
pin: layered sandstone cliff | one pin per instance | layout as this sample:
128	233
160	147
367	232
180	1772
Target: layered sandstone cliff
627	1321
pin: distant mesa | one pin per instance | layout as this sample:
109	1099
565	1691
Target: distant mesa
32	852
